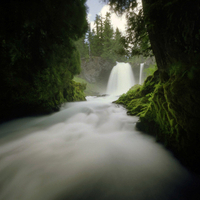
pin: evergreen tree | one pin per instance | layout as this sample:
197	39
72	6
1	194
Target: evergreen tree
104	42
172	28
119	47
98	36
83	47
107	38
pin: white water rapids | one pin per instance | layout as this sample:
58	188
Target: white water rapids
88	151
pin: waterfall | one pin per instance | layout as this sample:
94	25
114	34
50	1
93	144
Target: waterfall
121	79
141	70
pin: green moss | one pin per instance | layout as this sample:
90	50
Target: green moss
170	111
91	88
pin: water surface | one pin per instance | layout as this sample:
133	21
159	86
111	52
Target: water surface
88	150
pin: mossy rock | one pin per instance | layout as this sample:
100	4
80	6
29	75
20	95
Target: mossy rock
170	111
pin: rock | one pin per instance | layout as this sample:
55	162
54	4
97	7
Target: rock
95	69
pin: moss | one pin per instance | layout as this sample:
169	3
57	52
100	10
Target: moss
91	88
75	92
170	111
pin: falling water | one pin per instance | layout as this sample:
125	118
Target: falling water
121	79
141	70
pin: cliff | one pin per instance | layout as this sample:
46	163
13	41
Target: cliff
95	69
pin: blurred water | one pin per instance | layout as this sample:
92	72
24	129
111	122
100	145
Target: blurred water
121	79
141	70
88	150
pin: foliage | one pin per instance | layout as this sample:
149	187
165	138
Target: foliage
120	6
91	88
103	41
150	70
137	39
107	38
38	57
170	111
137	35
172	28
82	47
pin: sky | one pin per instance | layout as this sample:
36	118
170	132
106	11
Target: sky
97	7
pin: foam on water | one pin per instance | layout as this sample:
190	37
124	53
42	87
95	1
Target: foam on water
88	150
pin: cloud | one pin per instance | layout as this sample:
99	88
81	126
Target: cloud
89	17
116	21
119	22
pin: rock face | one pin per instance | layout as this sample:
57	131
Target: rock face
95	69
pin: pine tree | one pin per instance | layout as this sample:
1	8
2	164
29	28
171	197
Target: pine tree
118	46
104	42
98	36
107	37
83	47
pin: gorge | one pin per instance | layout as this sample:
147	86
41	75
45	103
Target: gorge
66	134
89	150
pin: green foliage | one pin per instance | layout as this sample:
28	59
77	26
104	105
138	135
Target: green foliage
91	88
120	6
173	34
150	70
74	91
104	42
96	37
137	35
137	39
38	56
83	47
107	38
170	111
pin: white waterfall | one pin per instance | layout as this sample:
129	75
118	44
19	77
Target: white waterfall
121	79
141	70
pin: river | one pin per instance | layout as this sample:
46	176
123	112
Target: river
88	151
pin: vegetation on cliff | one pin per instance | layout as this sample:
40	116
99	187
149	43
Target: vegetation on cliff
38	56
168	102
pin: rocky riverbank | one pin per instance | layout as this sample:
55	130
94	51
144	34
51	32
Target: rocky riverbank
170	111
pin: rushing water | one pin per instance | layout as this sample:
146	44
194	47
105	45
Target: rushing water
88	151
121	79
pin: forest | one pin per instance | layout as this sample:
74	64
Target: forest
103	41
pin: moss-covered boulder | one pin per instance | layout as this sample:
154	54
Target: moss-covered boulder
170	111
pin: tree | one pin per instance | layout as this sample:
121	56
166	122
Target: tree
83	47
172	27
97	43
137	35
119	46
104	41
107	37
